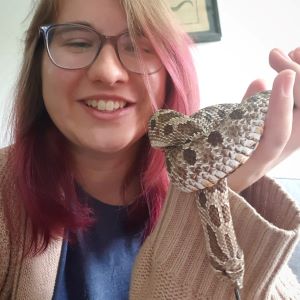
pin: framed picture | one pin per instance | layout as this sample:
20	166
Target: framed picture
200	18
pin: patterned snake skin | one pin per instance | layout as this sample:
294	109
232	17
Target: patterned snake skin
201	151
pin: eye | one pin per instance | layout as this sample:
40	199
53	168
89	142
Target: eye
73	39
78	44
126	45
142	44
129	47
145	45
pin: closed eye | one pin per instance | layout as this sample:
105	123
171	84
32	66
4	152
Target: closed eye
78	44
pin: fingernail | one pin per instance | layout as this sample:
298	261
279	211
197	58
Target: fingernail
296	54
287	87
297	49
281	53
291	55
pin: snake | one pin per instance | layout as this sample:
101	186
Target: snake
201	151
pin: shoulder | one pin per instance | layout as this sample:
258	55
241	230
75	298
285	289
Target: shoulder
4	232
3	174
3	158
4	154
9	206
12	229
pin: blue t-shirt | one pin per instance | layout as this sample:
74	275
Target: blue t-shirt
98	266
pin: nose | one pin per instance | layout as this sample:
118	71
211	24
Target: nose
107	67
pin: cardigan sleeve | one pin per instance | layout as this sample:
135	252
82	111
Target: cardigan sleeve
172	263
268	232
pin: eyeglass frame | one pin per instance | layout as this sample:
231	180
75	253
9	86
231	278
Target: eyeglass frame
113	39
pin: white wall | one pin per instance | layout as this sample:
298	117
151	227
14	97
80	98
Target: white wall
250	29
13	23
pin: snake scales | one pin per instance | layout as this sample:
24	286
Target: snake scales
201	151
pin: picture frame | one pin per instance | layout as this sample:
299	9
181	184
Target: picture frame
200	18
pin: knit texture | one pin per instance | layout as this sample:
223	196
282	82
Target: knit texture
172	263
11	247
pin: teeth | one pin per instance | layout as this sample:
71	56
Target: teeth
105	105
94	103
101	105
110	106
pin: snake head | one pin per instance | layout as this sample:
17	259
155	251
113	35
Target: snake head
209	145
169	128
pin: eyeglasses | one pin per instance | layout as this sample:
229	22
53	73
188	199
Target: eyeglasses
76	46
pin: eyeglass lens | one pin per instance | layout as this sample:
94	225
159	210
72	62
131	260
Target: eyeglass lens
76	47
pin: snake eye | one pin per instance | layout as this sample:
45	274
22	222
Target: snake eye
190	156
153	124
237	114
168	129
215	138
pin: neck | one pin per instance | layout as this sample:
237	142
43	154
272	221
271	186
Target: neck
102	175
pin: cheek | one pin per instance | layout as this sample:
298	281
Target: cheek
161	89
157	83
51	84
57	83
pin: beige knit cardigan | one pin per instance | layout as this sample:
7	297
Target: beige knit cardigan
172	263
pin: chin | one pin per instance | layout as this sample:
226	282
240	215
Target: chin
105	143
107	148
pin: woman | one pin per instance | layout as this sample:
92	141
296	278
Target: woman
81	187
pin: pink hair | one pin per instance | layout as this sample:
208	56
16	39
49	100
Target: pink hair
172	45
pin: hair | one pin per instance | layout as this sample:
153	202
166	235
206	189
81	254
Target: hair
39	164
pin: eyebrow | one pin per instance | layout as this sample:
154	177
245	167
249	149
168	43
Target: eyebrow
81	23
90	25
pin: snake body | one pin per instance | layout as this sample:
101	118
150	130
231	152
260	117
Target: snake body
201	151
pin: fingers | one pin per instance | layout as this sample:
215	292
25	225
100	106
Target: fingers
295	55
279	62
279	118
294	141
276	134
282	124
255	87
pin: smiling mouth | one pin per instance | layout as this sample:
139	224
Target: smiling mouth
106	105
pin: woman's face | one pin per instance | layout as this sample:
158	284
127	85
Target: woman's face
68	93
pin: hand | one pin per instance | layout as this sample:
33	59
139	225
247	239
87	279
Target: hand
282	126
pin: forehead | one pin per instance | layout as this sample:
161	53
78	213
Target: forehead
106	16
